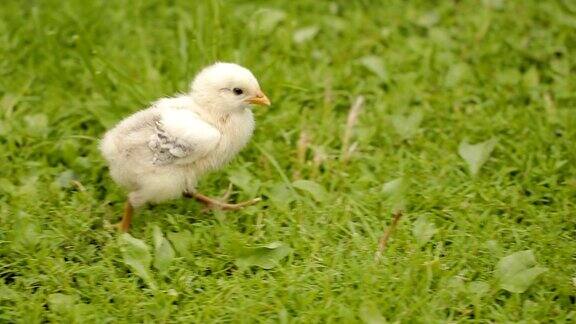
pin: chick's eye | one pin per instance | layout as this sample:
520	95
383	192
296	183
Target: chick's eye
237	91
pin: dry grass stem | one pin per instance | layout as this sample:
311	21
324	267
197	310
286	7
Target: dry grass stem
353	115
301	148
383	242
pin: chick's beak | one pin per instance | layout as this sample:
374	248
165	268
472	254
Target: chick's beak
259	99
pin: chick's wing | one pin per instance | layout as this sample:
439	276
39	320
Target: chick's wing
181	137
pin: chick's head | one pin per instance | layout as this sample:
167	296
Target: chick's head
226	87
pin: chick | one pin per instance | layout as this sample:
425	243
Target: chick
159	153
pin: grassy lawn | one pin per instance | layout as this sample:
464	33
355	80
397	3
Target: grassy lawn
494	245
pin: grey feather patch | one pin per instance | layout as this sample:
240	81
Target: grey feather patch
165	148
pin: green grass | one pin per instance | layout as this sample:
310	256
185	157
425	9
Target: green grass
474	70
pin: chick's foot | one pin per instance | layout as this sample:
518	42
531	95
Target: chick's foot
213	203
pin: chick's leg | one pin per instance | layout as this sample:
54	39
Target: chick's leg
124	224
219	204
